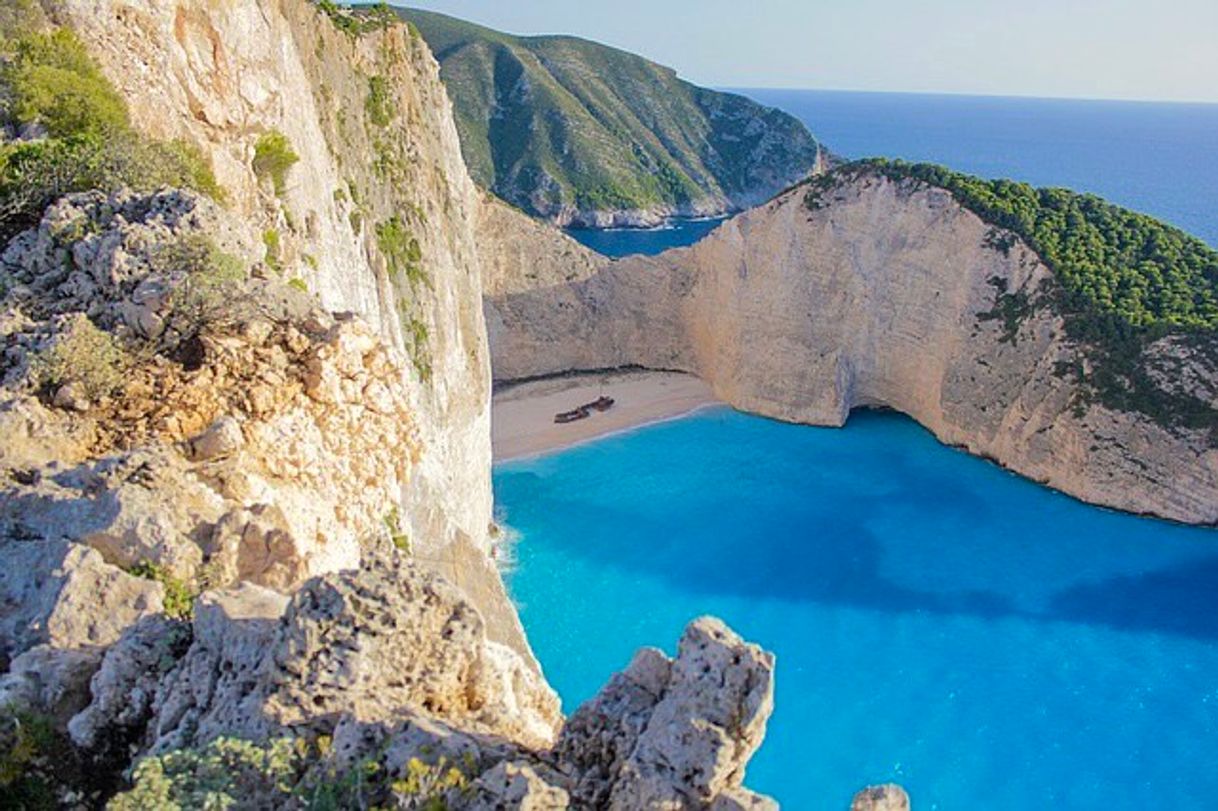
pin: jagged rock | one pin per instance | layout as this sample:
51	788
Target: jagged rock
881	798
372	643
111	240
218	687
122	691
390	636
510	786
71	397
673	734
36	437
67	596
222	438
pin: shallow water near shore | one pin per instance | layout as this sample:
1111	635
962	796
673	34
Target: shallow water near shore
938	621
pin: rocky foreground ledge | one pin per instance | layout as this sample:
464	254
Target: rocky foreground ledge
386	672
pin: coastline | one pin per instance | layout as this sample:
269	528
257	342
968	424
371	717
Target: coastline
522	416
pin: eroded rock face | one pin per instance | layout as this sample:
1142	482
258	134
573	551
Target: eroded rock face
674	734
885	296
370	643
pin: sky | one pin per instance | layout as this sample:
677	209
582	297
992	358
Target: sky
1163	50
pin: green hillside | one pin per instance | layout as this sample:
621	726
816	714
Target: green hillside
553	124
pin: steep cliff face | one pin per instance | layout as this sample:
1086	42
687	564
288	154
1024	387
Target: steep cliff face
377	216
887	295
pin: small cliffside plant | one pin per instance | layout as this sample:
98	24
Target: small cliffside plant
179	597
401	250
85	357
273	158
207	282
273	244
393	527
379	103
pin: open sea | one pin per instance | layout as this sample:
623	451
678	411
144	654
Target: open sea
938	622
1160	159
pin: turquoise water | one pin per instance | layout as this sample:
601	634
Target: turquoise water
938	622
617	242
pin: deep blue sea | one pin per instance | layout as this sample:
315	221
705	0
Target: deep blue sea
1161	159
938	622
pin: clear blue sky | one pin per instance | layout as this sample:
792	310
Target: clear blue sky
1125	49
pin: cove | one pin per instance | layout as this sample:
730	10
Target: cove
938	622
619	242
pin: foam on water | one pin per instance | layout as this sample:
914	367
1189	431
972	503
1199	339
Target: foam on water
938	621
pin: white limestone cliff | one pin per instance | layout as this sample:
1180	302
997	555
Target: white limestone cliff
874	299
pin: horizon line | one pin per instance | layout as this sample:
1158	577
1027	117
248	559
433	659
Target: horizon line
964	94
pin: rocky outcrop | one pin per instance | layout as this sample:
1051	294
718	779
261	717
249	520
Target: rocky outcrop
885	295
266	455
370	643
881	798
393	666
65	595
674	733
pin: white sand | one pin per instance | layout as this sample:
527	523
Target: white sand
522	416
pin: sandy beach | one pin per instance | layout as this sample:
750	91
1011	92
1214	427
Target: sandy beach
522	416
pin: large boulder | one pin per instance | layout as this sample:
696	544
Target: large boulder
65	595
674	734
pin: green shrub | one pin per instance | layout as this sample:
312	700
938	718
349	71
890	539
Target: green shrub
273	157
179	598
285	773
429	785
298	283
31	755
52	81
401	250
33	174
226	773
274	245
84	356
379	103
207	282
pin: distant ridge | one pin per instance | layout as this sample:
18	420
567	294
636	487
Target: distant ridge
584	134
